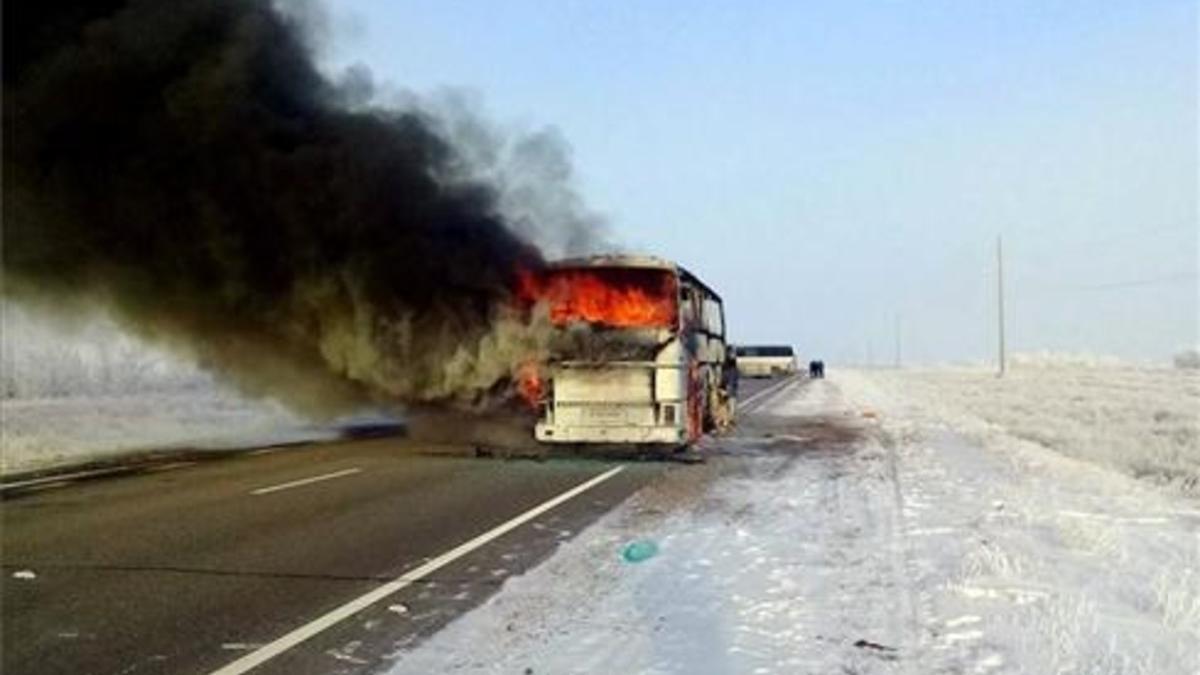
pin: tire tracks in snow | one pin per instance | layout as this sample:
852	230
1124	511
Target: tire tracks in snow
903	569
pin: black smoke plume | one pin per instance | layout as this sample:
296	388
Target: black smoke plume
184	165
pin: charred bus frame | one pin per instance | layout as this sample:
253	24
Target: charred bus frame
671	394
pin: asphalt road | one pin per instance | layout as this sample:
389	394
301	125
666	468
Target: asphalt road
753	390
189	567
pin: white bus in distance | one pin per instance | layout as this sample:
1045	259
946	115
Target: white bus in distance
765	360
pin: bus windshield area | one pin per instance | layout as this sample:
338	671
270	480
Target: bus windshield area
614	297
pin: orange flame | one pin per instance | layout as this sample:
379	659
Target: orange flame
530	386
622	298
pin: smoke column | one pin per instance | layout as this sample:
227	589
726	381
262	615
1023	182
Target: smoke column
183	165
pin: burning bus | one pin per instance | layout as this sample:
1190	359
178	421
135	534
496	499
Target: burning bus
639	354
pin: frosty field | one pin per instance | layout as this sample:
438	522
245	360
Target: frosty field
1141	420
53	432
77	393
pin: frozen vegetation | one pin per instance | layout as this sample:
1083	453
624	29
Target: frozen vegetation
1188	359
876	523
1138	419
44	358
84	391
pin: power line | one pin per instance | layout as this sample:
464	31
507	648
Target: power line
1000	301
1040	233
898	340
1135	234
1158	281
1043	247
1116	285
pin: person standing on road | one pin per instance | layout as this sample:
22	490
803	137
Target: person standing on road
816	370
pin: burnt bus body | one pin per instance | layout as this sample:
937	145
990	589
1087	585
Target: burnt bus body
639	357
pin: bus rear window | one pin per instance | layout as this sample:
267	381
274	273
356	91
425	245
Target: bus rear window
765	351
619	297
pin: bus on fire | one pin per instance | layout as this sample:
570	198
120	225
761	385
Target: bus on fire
639	355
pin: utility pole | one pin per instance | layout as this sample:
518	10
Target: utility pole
1000	301
897	341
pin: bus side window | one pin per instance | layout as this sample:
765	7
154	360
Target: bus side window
714	319
688	308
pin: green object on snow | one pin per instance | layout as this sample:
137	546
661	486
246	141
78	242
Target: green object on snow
637	551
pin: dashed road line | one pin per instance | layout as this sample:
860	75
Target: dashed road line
305	481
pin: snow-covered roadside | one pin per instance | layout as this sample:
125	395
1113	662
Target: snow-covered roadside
83	390
1141	420
49	432
1056	564
843	533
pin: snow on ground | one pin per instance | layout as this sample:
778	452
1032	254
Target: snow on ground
49	432
1144	421
82	391
847	530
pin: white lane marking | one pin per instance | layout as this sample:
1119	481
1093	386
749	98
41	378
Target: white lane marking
42	487
362	602
304	481
769	390
58	478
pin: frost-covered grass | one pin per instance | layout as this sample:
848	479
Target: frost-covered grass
50	357
49	432
1141	420
1188	359
75	392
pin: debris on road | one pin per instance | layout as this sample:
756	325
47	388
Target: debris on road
639	551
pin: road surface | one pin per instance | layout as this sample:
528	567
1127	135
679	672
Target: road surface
192	567
184	570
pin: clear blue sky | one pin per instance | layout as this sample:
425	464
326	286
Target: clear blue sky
828	166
